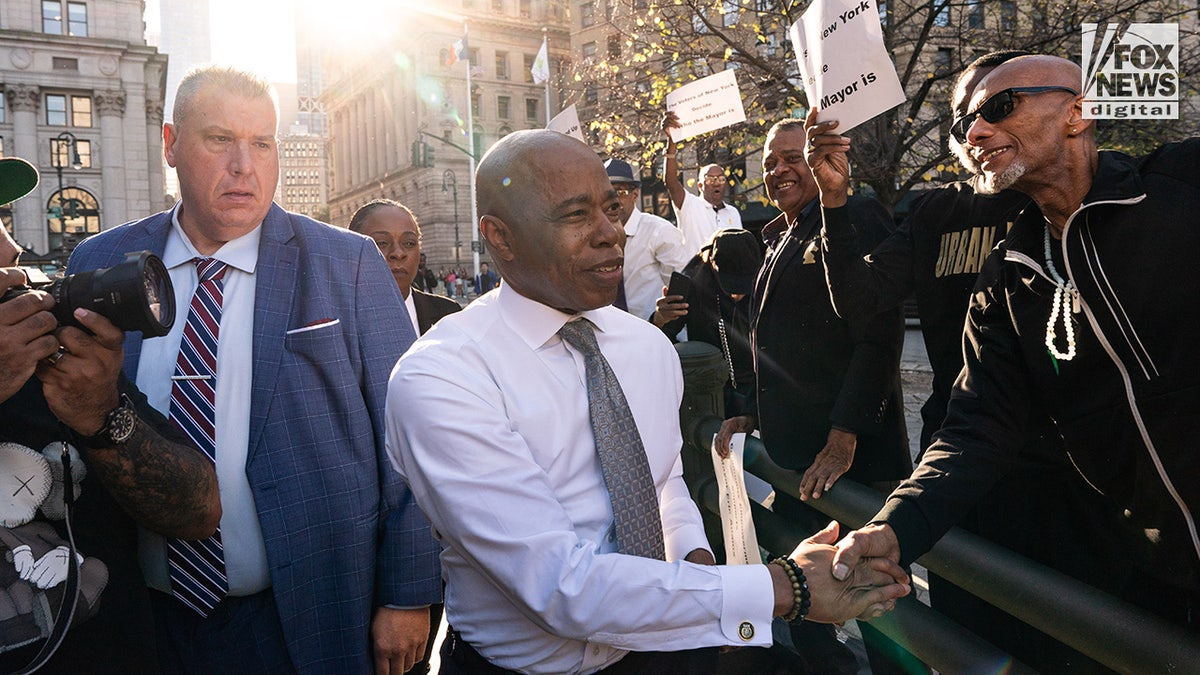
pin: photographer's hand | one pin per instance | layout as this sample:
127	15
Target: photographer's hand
26	332
165	485
81	388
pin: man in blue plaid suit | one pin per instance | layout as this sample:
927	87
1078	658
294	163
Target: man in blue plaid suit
328	564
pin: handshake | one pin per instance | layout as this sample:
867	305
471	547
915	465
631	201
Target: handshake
859	578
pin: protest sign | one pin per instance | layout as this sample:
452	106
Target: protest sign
705	105
567	122
848	75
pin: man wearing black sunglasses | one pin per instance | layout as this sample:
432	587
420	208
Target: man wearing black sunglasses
997	107
936	254
1086	312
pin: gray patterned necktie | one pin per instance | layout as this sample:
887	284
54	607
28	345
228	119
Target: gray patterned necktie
619	445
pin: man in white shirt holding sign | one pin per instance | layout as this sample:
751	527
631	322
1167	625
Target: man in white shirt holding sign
699	218
531	515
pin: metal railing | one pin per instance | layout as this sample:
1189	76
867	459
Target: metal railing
1116	634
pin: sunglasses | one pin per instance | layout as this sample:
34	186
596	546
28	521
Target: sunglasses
997	107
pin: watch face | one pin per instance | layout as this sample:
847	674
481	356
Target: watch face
121	423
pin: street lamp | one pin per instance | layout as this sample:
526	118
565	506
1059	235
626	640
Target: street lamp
56	159
448	179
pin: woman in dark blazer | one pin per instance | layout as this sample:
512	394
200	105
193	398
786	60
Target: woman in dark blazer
398	235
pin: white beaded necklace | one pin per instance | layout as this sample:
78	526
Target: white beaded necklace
1060	306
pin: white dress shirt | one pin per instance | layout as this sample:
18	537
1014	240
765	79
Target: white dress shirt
653	249
241	536
698	221
487	420
411	306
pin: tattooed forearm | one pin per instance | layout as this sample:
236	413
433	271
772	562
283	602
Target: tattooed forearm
166	487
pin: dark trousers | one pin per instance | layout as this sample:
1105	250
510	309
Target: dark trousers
460	658
241	635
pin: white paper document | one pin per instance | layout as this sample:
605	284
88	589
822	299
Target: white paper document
708	104
848	74
741	541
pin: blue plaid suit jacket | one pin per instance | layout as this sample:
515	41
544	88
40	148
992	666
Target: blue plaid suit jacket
343	533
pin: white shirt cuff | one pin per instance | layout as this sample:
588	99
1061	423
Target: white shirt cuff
749	602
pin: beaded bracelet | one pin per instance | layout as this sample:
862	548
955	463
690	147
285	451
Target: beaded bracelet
801	598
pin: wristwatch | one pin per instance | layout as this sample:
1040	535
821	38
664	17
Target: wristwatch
118	427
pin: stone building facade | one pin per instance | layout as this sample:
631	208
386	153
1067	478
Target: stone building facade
398	119
81	88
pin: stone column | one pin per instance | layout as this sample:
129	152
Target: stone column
363	172
372	135
111	107
154	163
29	213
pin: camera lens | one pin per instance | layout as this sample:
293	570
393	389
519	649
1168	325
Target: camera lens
156	286
134	295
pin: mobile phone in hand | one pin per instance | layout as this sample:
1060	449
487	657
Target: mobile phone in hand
680	284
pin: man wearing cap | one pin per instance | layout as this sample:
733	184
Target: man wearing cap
130	465
716	308
828	399
653	246
700	216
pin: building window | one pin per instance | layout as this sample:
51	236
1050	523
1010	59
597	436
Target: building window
501	65
504	131
60	108
975	14
942	18
589	50
475	105
2	118
1008	15
76	18
730	12
52	17
524	8
531	108
942	59
63	154
76	214
62	63
614	46
503	105
529	59
587	14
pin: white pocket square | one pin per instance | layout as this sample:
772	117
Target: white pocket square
323	323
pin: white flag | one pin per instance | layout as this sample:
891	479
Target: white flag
567	122
541	65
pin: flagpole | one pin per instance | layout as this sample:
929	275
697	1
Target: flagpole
547	49
471	146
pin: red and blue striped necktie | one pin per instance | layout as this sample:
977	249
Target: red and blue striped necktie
197	568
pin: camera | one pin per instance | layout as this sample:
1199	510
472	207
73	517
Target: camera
134	295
